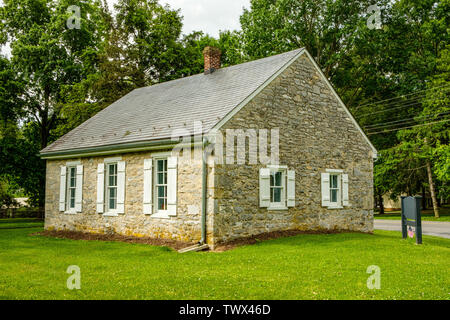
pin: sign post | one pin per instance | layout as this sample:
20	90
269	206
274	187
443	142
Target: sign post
411	217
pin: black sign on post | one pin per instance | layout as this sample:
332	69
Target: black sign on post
411	217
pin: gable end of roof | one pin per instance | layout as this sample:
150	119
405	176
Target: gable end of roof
233	112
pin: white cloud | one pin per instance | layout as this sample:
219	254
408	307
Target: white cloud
209	16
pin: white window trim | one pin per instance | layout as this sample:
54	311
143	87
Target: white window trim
71	165
277	167
339	173
275	206
148	187
109	212
161	215
335	171
110	160
158	214
338	203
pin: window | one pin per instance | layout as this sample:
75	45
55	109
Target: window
161	185
335	194
72	188
111	186
277	187
334	189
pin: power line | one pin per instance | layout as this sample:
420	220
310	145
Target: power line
399	125
386	110
386	102
403	96
411	102
382	124
398	129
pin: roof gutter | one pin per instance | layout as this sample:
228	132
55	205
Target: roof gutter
112	149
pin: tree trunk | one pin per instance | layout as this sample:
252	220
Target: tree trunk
432	192
380	203
45	121
424	199
44	129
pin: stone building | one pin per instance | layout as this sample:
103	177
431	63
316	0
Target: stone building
163	161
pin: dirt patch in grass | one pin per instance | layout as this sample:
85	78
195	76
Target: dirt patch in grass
177	245
221	247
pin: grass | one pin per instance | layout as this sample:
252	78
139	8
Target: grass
427	215
300	267
17	223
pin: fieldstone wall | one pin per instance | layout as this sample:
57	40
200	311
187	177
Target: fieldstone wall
186	226
315	134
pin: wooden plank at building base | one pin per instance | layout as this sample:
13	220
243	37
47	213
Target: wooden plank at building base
195	248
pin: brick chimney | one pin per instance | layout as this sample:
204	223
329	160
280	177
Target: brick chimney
212	59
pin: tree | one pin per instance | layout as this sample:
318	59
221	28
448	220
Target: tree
11	89
47	54
141	49
327	29
6	197
432	133
152	32
437	110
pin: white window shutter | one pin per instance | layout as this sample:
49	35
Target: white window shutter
62	189
264	187
121	183
100	187
345	200
79	189
172	163
325	190
148	185
291	188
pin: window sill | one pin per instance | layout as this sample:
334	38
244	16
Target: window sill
160	215
277	208
335	207
110	214
70	212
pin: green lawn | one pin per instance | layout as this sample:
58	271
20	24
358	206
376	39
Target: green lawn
16	223
300	267
427	215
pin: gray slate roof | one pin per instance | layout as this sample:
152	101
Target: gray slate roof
152	113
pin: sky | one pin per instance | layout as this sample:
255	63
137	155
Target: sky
209	16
